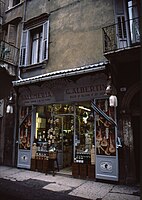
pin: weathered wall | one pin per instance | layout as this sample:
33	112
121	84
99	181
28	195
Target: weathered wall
75	31
75	37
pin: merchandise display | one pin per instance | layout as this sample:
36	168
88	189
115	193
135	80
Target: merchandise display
63	133
25	128
105	131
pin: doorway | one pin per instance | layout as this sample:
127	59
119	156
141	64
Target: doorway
65	143
136	134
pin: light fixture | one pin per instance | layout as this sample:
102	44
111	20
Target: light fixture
113	101
110	91
9	108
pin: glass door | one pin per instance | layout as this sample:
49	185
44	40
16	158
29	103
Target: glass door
64	139
84	133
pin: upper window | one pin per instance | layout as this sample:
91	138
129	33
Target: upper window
13	3
34	45
133	21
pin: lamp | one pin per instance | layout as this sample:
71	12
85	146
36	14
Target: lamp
113	101
9	108
110	90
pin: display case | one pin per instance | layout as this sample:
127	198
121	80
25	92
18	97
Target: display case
84	158
105	141
25	128
105	130
84	136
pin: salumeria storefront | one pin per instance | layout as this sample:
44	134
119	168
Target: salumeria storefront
58	111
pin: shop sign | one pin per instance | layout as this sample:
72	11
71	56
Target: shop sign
34	95
86	88
64	90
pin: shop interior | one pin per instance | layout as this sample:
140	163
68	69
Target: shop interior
67	131
64	128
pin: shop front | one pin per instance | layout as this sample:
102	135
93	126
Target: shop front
58	117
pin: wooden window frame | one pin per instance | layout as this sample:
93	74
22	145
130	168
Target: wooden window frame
26	45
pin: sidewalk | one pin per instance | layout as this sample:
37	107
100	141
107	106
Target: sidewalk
75	187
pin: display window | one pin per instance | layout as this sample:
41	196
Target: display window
25	128
84	134
105	130
67	129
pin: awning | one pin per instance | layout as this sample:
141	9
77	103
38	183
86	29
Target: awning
62	73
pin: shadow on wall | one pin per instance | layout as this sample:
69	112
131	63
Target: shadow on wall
5	83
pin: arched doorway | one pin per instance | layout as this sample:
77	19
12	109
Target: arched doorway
131	106
135	117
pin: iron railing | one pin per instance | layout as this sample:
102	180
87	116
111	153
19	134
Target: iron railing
8	53
122	35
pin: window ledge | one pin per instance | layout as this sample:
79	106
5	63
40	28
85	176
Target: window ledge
12	8
33	66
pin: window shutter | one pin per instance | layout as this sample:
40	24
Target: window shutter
10	4
24	48
12	34
45	40
121	28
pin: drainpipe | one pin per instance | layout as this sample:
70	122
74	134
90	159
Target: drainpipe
15	141
15	144
23	20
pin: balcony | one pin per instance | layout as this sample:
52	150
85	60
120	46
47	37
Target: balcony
8	53
124	35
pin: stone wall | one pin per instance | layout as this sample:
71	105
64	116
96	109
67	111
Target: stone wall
75	37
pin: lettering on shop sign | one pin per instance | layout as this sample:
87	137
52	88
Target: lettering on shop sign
86	88
63	90
33	95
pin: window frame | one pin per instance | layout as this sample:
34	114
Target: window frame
13	3
26	45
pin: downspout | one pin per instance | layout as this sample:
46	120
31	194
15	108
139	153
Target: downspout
15	141
15	130
23	20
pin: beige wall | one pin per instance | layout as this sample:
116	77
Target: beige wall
75	31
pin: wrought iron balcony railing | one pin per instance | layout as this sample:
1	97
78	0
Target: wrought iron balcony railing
8	53
122	35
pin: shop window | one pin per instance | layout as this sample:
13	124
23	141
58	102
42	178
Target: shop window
34	45
84	134
105	130
25	128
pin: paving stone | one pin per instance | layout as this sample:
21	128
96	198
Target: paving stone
74	187
57	187
92	190
116	196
